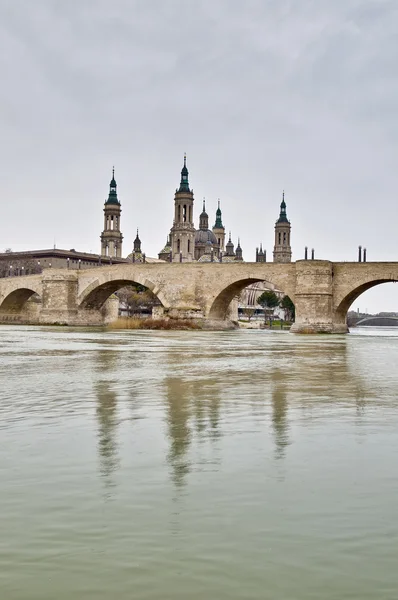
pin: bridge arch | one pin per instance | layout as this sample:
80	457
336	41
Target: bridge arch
15	300
220	304
97	292
378	320
346	298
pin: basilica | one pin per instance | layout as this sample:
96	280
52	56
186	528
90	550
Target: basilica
184	242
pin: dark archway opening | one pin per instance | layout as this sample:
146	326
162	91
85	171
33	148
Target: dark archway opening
250	299
134	298
18	300
371	305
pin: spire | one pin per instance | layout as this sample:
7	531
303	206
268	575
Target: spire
282	215
218	224
229	247
204	218
137	243
112	198
238	251
184	185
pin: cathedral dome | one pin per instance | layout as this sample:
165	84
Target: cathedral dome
207	258
202	236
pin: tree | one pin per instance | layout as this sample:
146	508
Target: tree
269	301
137	299
249	312
288	307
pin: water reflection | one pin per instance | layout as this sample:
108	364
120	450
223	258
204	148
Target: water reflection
192	415
179	410
247	446
279	413
106	413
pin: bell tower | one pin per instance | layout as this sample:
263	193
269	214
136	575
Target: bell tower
219	230
182	234
282	248
111	237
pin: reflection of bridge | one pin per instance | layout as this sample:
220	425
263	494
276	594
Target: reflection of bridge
321	290
379	321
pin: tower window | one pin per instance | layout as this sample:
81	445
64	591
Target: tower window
112	222
184	213
189	245
279	238
284	238
179	213
178	245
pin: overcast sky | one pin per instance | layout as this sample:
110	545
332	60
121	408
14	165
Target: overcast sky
262	95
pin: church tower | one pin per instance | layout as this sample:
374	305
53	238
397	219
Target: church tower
229	247
219	230
111	237
282	248
182	234
238	252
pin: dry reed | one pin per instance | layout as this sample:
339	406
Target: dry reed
159	324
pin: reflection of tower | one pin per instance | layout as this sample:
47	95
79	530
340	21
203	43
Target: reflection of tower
279	415
282	248
179	412
219	229
106	417
206	404
111	237
182	234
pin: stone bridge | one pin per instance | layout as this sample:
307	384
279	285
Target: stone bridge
322	291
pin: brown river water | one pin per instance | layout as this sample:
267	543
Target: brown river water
174	465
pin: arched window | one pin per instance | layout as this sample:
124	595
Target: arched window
179	212
284	238
279	238
184	213
178	245
189	246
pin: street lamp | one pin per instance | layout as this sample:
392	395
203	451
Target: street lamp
22	269
67	262
10	271
80	262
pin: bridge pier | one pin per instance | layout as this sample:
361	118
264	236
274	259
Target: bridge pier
59	298
314	301
60	306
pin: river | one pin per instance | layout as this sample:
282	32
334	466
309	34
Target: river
201	465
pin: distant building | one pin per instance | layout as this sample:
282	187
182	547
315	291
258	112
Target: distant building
34	261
